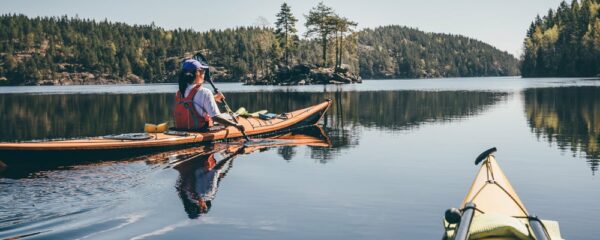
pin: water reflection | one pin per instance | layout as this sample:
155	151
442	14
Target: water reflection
70	116
569	117
199	180
37	168
392	110
80	189
201	172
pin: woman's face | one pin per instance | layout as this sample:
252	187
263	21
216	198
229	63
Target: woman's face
199	76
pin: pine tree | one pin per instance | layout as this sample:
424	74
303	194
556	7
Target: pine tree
285	31
342	26
320	21
561	43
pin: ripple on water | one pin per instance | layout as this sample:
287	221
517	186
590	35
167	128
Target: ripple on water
44	197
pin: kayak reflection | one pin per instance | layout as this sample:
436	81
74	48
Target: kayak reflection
200	173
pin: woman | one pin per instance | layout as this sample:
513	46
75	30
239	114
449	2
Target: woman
197	107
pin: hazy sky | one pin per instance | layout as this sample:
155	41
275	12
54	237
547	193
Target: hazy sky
502	23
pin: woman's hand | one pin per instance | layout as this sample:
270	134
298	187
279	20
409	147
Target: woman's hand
219	97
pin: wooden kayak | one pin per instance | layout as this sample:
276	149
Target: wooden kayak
493	210
313	136
98	147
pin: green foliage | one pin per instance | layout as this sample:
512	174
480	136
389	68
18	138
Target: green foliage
565	42
342	26
285	32
34	50
326	25
401	52
320	22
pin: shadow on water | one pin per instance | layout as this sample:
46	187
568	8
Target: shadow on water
569	117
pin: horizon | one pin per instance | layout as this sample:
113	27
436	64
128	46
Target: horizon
497	28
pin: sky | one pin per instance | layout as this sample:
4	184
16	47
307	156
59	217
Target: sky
501	23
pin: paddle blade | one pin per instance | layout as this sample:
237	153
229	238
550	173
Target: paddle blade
484	155
201	58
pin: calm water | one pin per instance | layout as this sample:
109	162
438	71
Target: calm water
398	159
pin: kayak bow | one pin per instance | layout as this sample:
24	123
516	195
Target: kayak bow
493	210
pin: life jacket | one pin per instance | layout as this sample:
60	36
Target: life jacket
186	116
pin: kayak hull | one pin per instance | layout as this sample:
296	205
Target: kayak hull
102	148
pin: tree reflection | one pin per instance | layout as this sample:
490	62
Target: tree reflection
79	115
569	117
394	110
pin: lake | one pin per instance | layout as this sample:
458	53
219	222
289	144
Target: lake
401	153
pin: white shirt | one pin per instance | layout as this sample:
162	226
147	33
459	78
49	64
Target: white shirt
206	184
204	100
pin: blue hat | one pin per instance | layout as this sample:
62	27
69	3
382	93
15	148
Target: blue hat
192	64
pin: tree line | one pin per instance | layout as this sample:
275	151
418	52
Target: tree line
565	42
402	52
33	50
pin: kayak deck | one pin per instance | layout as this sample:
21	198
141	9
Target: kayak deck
492	192
498	212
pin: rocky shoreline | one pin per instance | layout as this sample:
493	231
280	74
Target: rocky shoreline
303	74
82	78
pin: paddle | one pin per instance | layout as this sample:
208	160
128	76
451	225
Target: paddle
199	57
484	155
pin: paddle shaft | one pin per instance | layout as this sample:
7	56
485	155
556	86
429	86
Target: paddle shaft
228	109
538	228
462	233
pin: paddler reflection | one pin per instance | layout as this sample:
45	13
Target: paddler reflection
199	178
202	169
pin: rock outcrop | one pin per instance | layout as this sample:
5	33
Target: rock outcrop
304	74
84	78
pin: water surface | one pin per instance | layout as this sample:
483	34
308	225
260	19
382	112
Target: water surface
398	158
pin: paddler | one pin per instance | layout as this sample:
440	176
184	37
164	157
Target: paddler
197	108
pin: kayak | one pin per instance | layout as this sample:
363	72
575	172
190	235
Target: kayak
313	136
127	145
493	210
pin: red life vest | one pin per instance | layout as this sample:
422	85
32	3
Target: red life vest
186	116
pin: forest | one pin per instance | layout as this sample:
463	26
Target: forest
565	42
71	50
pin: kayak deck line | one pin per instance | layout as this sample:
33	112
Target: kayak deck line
491	179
